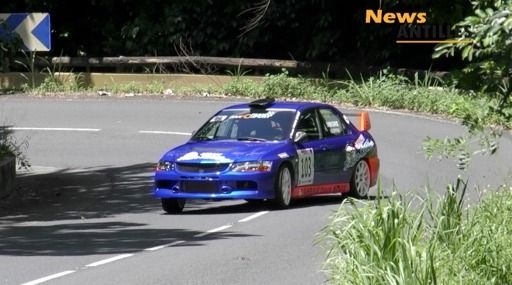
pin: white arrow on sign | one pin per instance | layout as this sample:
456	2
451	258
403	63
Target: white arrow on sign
25	32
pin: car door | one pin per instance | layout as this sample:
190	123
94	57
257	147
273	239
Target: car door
311	165
336	136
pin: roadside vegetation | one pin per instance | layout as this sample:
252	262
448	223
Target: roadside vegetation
12	147
406	239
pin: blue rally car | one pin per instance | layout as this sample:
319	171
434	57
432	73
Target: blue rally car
269	150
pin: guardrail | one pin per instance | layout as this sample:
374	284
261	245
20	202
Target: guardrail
200	64
332	69
178	60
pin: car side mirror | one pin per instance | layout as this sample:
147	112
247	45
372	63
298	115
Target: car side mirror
299	136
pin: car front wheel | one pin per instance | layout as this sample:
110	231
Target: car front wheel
173	206
284	186
360	183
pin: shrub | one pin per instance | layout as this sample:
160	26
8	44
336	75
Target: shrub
395	241
9	146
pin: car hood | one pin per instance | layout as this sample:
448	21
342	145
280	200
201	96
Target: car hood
222	151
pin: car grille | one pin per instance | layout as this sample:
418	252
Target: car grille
201	167
200	186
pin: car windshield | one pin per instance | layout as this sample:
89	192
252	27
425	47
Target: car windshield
248	125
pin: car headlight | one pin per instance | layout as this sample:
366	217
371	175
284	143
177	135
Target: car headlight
262	166
165	166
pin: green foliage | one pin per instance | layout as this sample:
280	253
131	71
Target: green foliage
154	87
53	79
29	65
404	240
240	86
486	251
57	83
463	148
484	41
378	243
10	146
276	85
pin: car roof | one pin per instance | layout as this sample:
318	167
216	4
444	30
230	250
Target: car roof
294	105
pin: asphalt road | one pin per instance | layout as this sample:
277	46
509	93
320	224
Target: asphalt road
84	214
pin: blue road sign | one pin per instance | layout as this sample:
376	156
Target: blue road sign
33	29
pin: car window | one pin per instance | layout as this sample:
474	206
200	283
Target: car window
331	123
248	124
308	123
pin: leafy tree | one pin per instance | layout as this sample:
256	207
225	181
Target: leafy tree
485	40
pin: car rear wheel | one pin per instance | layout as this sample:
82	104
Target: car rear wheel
360	183
173	206
284	186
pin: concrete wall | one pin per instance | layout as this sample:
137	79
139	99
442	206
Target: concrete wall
14	80
7	176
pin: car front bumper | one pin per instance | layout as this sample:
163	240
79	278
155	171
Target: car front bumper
228	185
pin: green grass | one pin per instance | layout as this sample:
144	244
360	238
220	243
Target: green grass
408	240
424	93
54	83
154	87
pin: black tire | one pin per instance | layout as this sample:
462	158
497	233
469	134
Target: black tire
173	206
360	182
284	187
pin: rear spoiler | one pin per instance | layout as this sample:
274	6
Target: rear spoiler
364	120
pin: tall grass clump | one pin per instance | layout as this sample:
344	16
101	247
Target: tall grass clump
57	82
486	253
379	243
12	147
407	240
279	85
423	94
53	79
153	87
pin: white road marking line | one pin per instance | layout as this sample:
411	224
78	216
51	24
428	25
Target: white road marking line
251	217
104	261
164	245
122	256
49	277
55	129
157	247
213	231
165	133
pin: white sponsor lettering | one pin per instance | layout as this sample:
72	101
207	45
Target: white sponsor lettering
218	157
283	155
253	115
